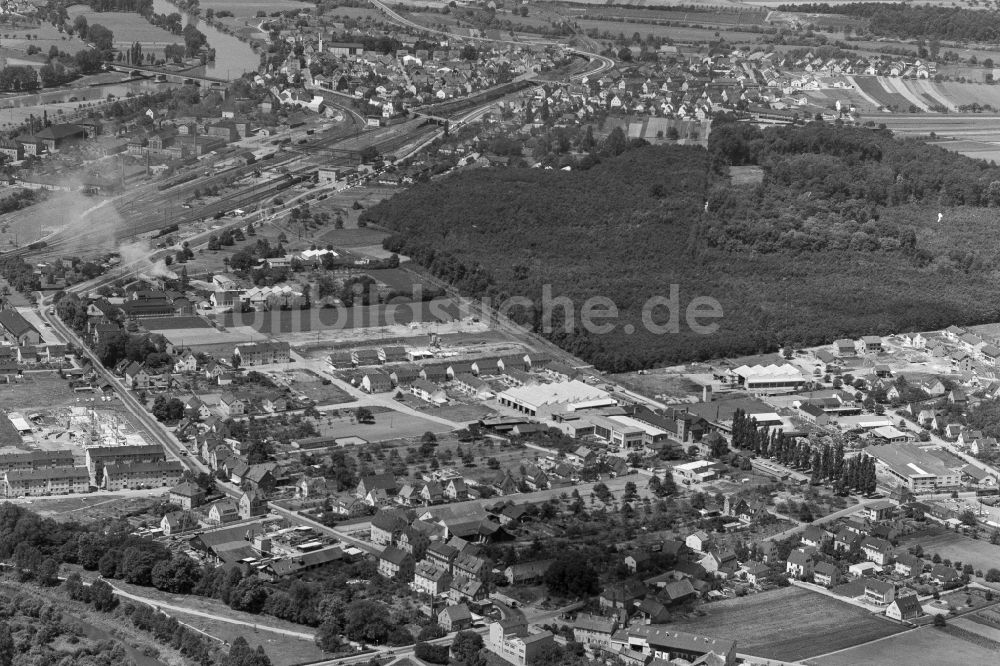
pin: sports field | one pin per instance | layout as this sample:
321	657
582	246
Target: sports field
789	624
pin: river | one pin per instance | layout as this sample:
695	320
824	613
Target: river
232	57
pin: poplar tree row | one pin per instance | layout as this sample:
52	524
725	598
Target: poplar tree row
826	464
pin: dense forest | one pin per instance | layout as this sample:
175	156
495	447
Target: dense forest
824	247
913	22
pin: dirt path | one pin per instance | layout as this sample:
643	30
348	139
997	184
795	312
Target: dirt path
161	606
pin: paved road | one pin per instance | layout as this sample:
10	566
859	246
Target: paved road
364	399
603	62
154	429
300	519
829	518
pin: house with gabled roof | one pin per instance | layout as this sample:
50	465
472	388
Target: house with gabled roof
622	595
814	536
904	608
18	330
386	526
877	550
456	490
455	618
391	561
879	592
463	588
909	565
594	630
430	578
826	574
385	482
526	572
223	511
799	564
186	495
755	572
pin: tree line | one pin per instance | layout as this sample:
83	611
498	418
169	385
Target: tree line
825	247
825	464
38	546
906	21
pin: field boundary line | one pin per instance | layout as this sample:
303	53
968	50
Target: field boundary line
871	100
875	640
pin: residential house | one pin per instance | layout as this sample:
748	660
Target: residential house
943	574
252	504
466	589
455	618
386	526
698	541
186	495
879	592
524	573
231	405
622	595
428	391
904	608
877	550
594	630
826	574
814	536
756	572
385	482
391	561
879	510
223	511
455	490
431	579
909	565
799	564
311	487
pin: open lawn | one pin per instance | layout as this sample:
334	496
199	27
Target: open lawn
462	413
956	547
388	425
91	508
959	94
283	650
659	383
746	175
789	624
213	606
311	385
127	27
927	645
249	8
37	390
44	36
